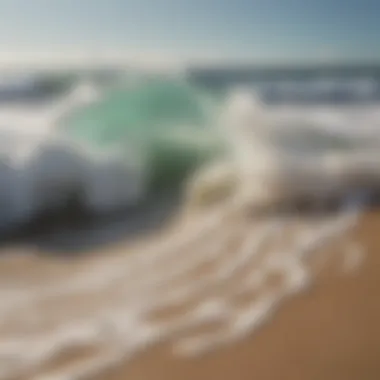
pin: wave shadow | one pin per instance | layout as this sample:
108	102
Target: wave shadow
71	232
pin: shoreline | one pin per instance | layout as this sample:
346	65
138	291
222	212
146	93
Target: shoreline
327	332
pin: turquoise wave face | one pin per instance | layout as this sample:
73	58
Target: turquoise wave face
170	123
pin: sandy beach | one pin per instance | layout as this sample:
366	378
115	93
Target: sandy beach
330	331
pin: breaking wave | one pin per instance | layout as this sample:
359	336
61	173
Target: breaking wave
111	150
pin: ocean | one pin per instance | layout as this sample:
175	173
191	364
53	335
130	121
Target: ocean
148	209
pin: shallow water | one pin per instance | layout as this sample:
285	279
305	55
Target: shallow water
204	283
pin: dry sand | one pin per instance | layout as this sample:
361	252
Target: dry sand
330	332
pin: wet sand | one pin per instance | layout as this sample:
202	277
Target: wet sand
329	332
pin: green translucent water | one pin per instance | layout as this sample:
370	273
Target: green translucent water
169	122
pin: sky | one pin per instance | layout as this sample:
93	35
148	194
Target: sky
185	30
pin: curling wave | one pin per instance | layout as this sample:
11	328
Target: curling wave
112	150
107	150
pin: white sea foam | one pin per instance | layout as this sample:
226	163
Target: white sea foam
41	169
282	157
125	293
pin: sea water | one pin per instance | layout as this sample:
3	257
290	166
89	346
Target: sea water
205	281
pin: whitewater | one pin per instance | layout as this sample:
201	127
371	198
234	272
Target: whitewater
220	269
281	154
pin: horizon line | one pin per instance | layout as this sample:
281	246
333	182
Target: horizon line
158	60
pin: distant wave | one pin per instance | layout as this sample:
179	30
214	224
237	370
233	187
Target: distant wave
299	86
327	91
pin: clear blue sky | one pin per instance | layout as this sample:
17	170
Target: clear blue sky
266	29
